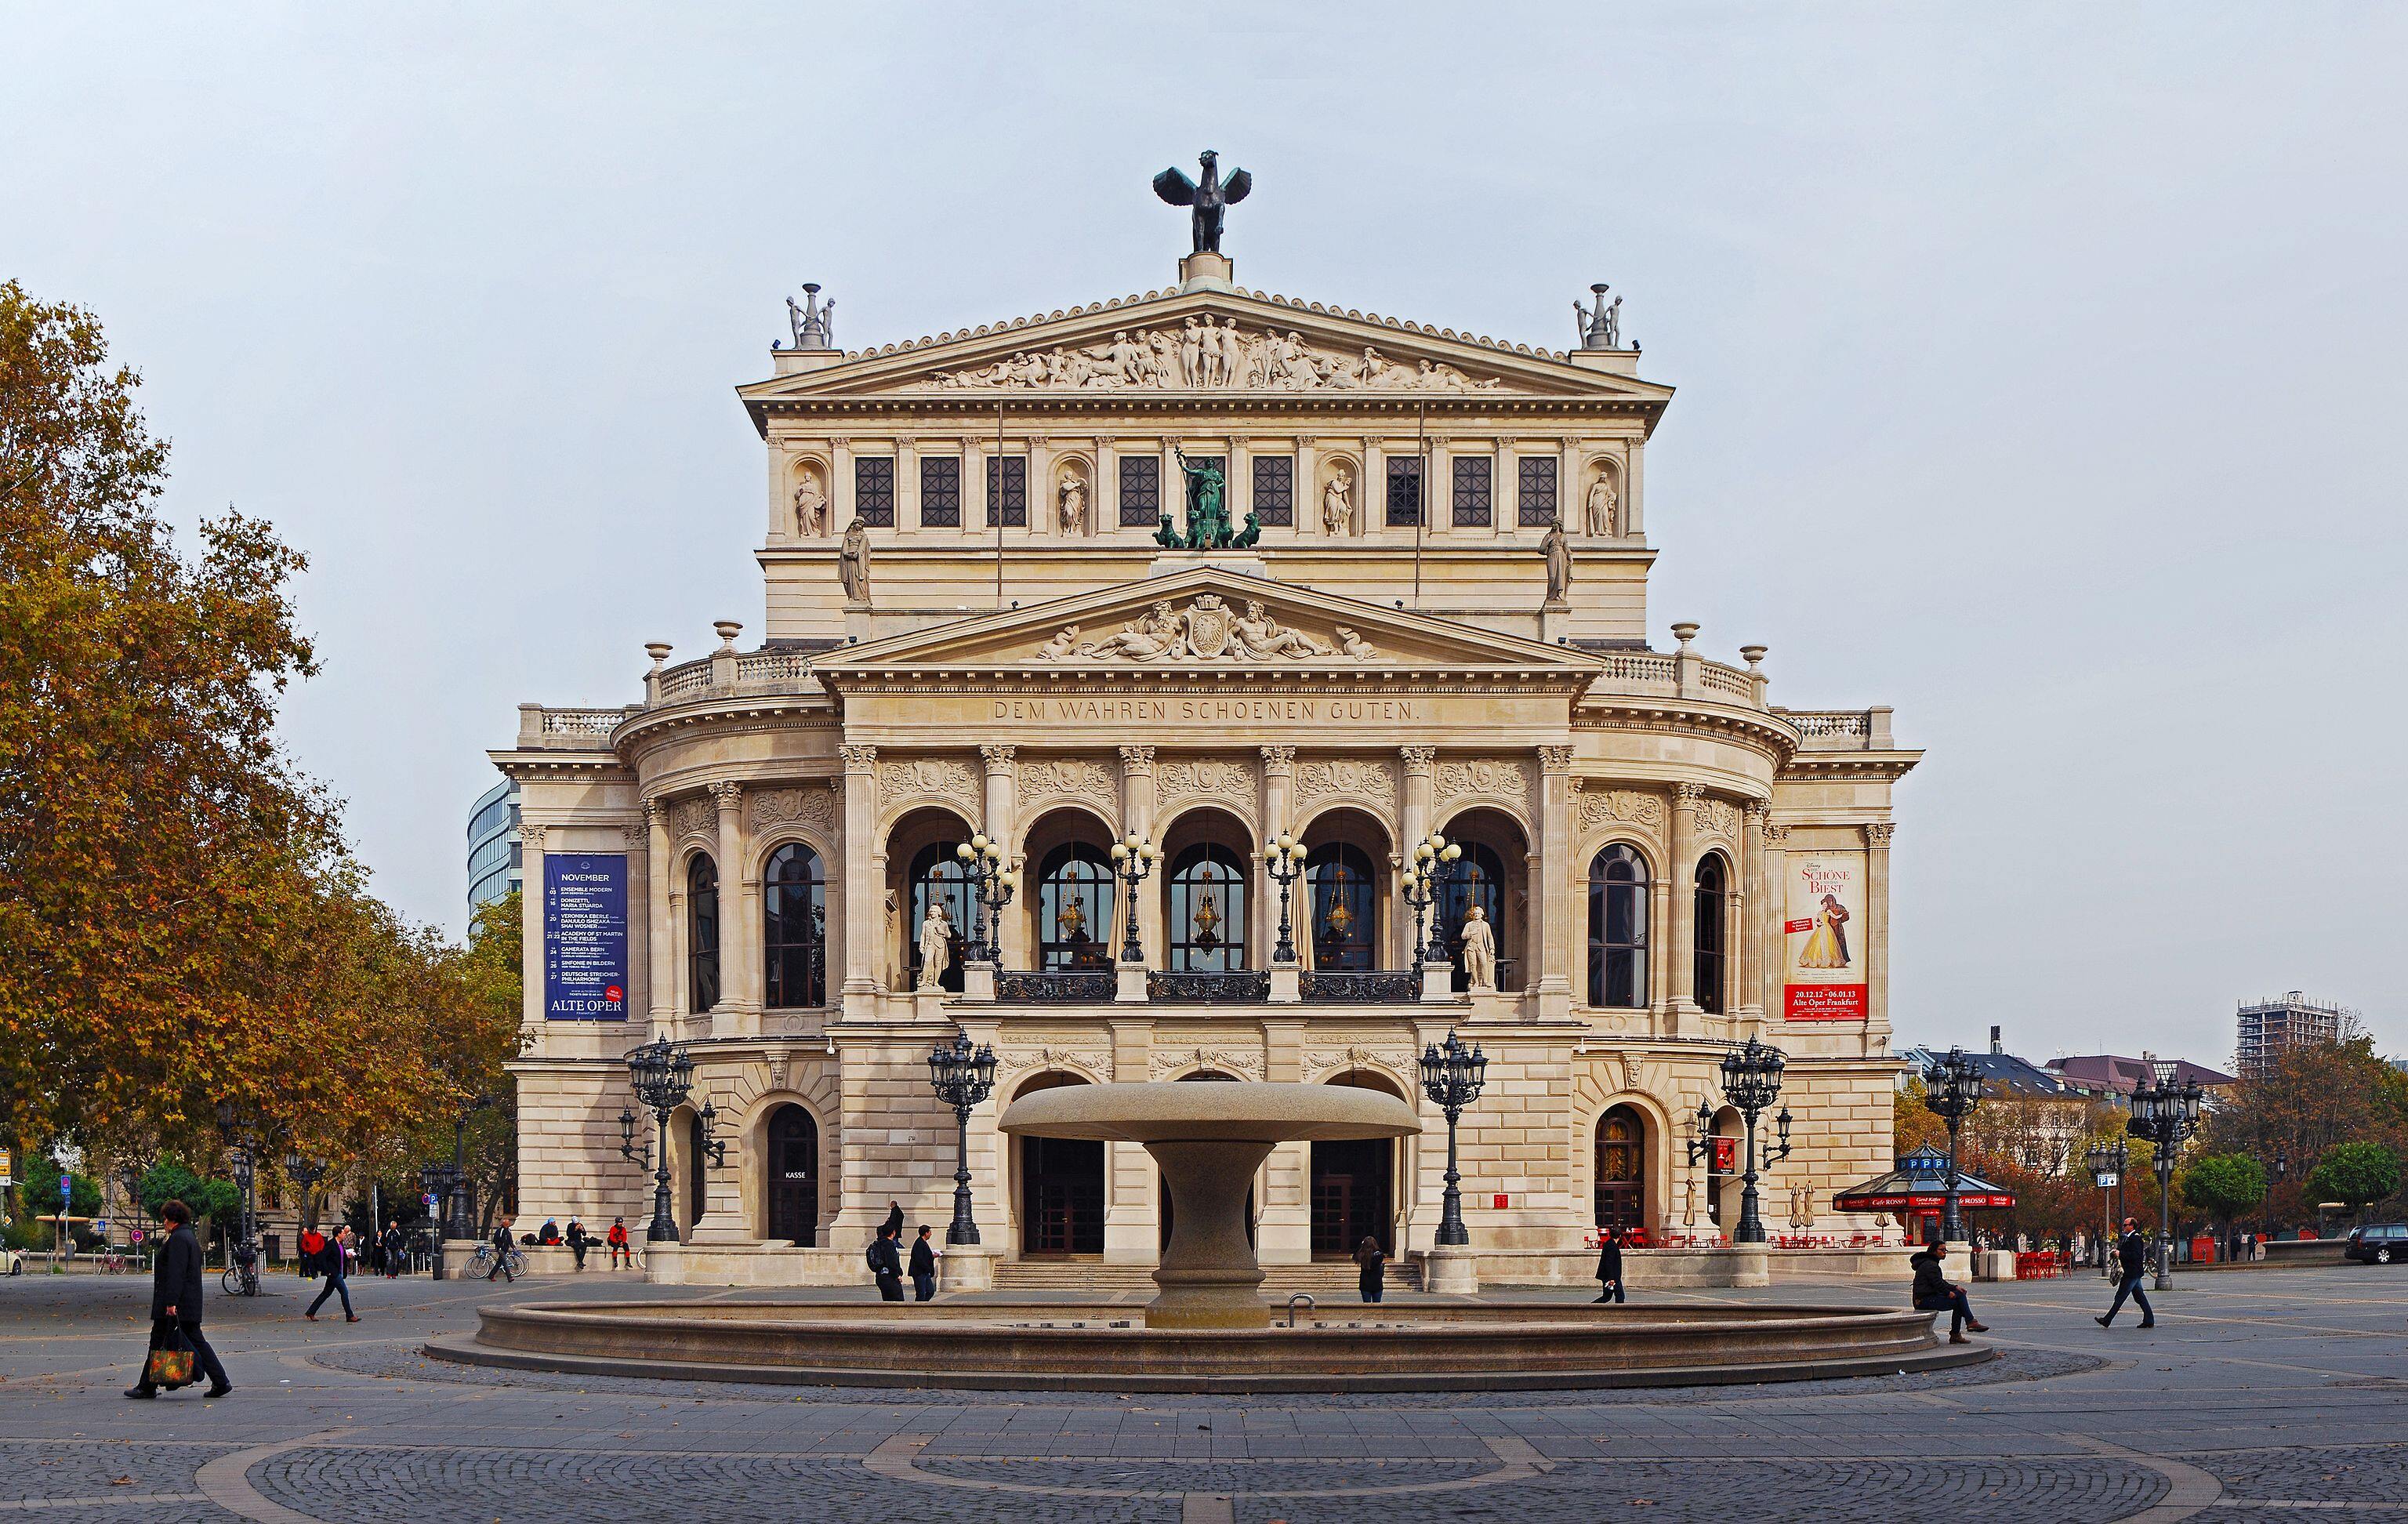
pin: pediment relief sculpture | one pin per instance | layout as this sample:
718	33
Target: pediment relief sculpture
1207	631
1201	355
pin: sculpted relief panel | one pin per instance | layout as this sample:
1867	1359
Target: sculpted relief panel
1505	778
1210	356
1069	778
1363	777
697	815
814	805
1599	806
905	781
1229	783
1207	631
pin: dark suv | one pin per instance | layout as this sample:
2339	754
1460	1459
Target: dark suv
2379	1244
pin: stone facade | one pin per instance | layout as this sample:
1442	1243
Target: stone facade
1057	681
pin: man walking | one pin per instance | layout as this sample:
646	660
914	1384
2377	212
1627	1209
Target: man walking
886	1265
1608	1266
924	1267
2132	1254
338	1267
502	1253
176	1303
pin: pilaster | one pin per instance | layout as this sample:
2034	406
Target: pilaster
1413	817
1279	782
863	930
1877	835
531	949
661	943
1682	933
738	1012
1132	1207
1751	912
1776	901
1003	825
1559	943
1137	815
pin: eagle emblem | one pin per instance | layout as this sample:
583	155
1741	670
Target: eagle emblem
1209	624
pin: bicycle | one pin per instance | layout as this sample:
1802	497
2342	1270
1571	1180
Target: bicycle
482	1263
241	1278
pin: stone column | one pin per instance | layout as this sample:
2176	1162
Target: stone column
660	945
738	1012
531	949
1137	815
1279	783
1002	824
1681	934
1413	817
1776	908
1753	912
1877	835
842	502
864	929
1554	942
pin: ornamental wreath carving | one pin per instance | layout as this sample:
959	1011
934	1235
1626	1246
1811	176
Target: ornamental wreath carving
1366	777
1715	817
1207	631
1210	777
1212	357
1170	1060
1069	778
1627	805
694	816
924	777
1497	777
814	805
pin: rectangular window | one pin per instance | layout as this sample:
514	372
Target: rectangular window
1472	493
1404	490
1006	490
1141	490
873	490
1275	489
1538	491
940	492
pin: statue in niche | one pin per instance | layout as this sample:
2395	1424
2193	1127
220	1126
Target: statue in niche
1260	635
1559	552
1602	501
810	505
853	562
1073	497
1338	503
1208	196
1479	949
936	945
894	938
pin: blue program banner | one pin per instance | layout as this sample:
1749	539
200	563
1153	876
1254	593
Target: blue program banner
585	936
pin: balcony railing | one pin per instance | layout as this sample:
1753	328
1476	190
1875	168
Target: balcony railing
1373	987
1057	986
1207	988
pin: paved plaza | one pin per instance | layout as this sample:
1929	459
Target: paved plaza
2260	1394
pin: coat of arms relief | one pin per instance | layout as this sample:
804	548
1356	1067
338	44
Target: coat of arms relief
1207	631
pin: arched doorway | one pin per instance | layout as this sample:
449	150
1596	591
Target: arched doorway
1621	1159
1353	1185
791	1173
1061	1187
1209	1076
1494	875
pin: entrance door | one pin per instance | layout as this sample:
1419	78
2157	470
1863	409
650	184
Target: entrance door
1062	1196
794	1161
1352	1200
1621	1168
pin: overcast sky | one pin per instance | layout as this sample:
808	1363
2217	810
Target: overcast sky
2039	372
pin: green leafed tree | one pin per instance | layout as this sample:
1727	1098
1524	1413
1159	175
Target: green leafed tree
2224	1186
2354	1174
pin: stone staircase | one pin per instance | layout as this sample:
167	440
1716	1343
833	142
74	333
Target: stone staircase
1093	1277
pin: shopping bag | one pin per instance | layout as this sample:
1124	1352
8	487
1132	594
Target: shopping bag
172	1367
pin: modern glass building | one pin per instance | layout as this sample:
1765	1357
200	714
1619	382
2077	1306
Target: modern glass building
494	845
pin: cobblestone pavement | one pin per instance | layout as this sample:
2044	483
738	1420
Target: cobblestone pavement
2261	1394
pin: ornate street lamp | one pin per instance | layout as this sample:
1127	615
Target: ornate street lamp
242	1146
1433	864
1283	860
2108	1162
962	1078
1752	1082
1951	1088
305	1172
994	885
1133	857
662	1075
2167	1115
1451	1077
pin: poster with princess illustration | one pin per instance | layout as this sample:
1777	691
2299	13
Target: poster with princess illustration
1824	931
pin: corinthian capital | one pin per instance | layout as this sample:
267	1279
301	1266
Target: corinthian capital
1417	758
729	795
1877	833
858	758
1555	758
1688	796
1279	756
1136	760
998	757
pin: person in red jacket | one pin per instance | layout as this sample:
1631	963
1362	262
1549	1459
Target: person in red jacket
617	1241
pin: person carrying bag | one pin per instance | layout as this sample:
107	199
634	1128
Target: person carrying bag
175	1342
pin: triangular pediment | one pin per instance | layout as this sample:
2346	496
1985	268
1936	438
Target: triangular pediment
1210	619
1186	344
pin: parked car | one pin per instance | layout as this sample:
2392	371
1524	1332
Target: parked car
12	1261
2377	1244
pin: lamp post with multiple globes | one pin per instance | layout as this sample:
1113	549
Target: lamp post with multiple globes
1284	860
2165	1114
1752	1082
962	1077
1433	864
1451	1077
994	885
1133	857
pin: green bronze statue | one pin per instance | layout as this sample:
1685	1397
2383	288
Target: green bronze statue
1208	514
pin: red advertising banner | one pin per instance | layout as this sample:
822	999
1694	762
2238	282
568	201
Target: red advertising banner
1726	1156
1791	929
1823	1002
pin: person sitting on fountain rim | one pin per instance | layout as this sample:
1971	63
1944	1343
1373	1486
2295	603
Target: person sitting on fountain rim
1933	1293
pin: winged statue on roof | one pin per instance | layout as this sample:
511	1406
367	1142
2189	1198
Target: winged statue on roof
1209	197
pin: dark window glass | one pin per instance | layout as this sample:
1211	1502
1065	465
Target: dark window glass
1473	508
873	490
701	933
1341	909
1140	490
1074	907
1617	927
1479	879
1711	935
1538	491
1404	490
1275	489
1621	1169
940	493
1006	490
937	875
793	926
793	1175
1208	910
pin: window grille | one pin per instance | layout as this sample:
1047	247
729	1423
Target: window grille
1472	505
940	493
873	490
1538	501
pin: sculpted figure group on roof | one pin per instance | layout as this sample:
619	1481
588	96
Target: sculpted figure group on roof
1207	630
1204	356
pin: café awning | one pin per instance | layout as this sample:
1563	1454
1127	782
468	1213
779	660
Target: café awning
1920	1184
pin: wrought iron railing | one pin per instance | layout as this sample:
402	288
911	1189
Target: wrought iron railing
1060	986
1207	988
1375	986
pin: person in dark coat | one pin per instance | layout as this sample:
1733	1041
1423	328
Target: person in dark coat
2132	1259
1371	1277
886	1265
336	1263
396	1249
1608	1266
176	1303
577	1240
924	1267
1933	1293
502	1248
894	1227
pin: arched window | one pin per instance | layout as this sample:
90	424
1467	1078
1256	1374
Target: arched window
1712	935
702	933
1617	927
1479	879
939	876
1208	910
1339	908
1074	907
793	926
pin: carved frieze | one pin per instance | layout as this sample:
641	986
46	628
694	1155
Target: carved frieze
1208	630
695	815
1231	783
1069	778
1629	806
903	779
811	805
1212	357
1168	1061
1321	1062
1096	1063
1715	817
1363	777
1505	778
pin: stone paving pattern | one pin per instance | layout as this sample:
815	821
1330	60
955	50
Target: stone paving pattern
2266	1394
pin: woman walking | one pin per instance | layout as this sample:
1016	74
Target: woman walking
176	1305
1608	1266
1373	1280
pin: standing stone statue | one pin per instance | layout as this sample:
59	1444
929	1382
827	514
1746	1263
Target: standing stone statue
1559	552
1208	197
853	562
893	941
1074	503
1602	501
1479	949
811	507
936	945
1337	505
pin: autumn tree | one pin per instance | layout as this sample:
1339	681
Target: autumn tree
2305	1101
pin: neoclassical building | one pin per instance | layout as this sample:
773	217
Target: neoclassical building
1418	605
